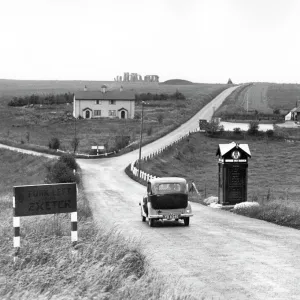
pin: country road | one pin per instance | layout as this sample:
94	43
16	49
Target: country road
219	255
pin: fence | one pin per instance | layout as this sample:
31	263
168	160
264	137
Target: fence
145	176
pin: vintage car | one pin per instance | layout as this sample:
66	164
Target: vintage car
167	199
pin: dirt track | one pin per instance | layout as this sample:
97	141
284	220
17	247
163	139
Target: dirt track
222	255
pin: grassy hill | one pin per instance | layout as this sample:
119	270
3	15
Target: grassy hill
36	125
177	82
261	97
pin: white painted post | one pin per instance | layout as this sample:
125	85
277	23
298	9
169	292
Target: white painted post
74	235
16	225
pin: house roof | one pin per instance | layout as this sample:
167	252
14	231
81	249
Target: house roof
224	148
108	95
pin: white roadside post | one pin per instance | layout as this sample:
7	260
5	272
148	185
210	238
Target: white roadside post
16	225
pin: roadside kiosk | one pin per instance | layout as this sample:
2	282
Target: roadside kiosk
233	173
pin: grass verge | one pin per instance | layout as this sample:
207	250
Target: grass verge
104	265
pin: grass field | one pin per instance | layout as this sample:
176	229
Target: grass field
283	96
104	266
36	125
274	166
262	97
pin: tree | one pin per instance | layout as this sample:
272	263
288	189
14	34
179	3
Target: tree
54	143
253	127
229	81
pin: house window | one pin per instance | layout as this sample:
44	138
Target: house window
112	113
98	101
97	113
112	102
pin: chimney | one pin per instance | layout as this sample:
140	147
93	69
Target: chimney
121	88
85	88
103	88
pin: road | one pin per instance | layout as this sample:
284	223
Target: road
219	255
255	98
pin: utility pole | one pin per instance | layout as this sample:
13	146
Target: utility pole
141	137
75	134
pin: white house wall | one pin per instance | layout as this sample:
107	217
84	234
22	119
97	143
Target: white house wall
105	107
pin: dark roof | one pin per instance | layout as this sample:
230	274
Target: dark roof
109	95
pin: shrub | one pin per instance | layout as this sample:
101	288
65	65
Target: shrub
61	173
253	128
54	143
270	133
237	130
69	160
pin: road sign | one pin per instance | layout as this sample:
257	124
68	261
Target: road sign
45	199
98	147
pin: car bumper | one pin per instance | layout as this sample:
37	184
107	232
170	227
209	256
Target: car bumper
164	217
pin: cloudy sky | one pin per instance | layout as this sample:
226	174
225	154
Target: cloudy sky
197	40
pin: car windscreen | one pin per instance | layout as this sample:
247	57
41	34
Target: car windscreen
168	188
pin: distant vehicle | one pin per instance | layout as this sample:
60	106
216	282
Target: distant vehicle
167	199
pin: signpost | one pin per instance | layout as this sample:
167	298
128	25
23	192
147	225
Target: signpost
233	173
98	148
31	200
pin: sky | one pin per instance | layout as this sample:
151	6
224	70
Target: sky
205	41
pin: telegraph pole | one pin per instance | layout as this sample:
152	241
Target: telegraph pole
141	137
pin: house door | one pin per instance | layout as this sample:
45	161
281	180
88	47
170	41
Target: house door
123	114
87	114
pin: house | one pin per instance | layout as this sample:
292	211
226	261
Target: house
293	115
104	104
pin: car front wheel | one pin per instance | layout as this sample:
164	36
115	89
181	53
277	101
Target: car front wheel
186	221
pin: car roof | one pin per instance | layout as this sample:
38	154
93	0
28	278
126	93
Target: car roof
167	180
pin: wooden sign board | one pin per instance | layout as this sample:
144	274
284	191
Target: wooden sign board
45	199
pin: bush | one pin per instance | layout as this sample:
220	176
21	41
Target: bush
54	143
253	128
270	133
60	172
237	130
69	160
